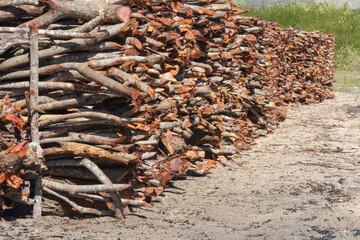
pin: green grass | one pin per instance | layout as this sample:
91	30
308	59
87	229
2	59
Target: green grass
342	21
347	81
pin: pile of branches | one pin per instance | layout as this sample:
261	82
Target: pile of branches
126	95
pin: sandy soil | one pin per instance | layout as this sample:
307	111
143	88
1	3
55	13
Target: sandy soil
302	182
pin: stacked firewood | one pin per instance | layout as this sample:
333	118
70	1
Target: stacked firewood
135	93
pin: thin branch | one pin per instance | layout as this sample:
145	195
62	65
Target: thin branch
8	3
115	72
99	174
90	25
70	86
119	212
92	115
58	33
84	188
83	138
34	115
73	102
77	207
73	62
65	47
125	201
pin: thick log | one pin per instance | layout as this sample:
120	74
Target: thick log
10	162
10	13
115	174
99	155
72	102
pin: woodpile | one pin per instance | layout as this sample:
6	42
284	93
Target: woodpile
104	103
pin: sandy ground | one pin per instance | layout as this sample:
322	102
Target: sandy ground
302	182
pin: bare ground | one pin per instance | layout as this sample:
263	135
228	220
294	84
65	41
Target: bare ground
302	182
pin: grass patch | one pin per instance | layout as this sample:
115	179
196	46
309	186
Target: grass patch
347	81
342	21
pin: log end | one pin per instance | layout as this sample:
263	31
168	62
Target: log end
123	13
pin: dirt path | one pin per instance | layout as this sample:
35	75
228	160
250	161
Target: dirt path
302	182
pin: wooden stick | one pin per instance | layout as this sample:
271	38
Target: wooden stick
119	212
98	154
70	86
59	9
34	86
79	208
34	115
92	115
8	3
58	33
125	201
81	100
84	188
67	46
12	13
83	138
115	72
99	174
55	168
73	62
93	23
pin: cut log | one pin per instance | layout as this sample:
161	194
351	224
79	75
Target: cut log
99	155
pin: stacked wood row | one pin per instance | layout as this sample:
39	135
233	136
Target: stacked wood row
135	93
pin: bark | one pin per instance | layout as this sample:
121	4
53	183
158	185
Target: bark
13	161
